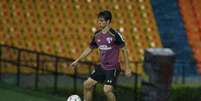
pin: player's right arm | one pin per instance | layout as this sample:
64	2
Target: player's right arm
86	52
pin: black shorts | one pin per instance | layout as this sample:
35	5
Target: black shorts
108	77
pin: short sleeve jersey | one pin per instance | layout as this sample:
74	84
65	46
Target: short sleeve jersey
109	45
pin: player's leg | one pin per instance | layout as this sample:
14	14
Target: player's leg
110	81
96	76
88	89
108	90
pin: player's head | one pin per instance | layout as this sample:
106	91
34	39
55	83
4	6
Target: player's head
104	18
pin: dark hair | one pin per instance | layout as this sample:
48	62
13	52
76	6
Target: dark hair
106	15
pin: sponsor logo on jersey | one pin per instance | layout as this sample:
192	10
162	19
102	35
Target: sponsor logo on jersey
104	47
109	39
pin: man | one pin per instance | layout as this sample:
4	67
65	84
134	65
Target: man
109	43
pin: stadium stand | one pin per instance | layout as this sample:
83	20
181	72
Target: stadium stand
173	34
190	10
64	27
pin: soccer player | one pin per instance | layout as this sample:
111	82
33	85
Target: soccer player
109	42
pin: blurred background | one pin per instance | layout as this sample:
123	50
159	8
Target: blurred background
40	38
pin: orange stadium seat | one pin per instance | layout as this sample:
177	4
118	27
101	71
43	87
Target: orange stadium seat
190	11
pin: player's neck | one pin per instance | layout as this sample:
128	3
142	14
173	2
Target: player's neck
106	29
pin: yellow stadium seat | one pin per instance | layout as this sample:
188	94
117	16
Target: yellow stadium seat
67	27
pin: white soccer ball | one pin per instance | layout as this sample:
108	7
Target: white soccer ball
74	98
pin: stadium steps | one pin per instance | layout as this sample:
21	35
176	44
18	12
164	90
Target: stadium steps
190	10
173	34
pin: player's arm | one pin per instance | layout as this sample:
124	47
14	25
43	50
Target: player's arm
120	42
127	68
86	52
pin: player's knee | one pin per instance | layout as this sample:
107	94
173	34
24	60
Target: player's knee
88	85
107	89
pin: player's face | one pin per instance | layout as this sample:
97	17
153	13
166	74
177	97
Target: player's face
102	23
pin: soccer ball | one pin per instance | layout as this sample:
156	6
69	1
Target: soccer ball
74	98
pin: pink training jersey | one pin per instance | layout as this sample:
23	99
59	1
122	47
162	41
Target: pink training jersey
109	45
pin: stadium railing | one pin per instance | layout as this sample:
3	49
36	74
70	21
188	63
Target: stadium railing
36	67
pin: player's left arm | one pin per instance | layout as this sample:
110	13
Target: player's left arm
121	43
127	68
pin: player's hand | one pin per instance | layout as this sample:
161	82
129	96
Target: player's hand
74	64
128	72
